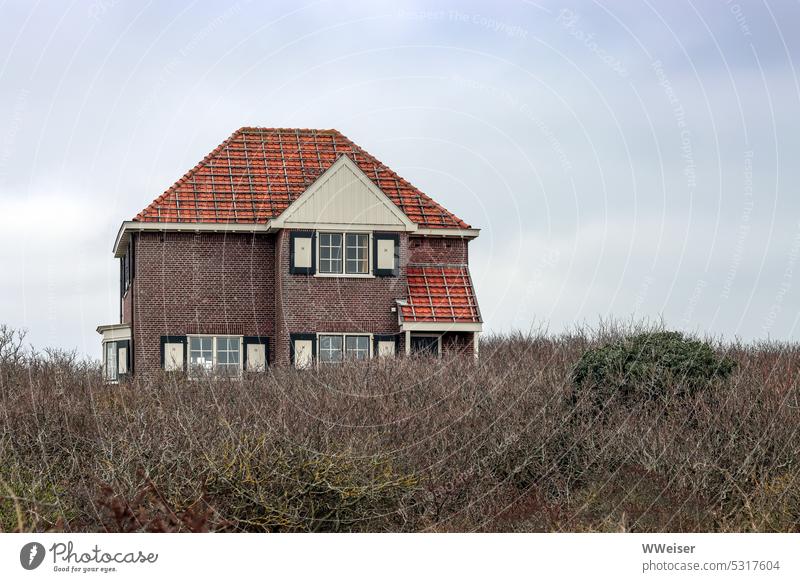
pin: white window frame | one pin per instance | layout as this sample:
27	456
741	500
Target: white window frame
213	370
320	246
370	340
343	233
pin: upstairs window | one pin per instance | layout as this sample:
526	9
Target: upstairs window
357	253
330	252
343	253
126	269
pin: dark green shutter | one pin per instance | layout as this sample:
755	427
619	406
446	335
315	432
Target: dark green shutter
302	336
175	339
303	234
257	340
392	236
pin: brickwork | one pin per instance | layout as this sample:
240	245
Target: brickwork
438	250
127	307
200	283
310	304
240	284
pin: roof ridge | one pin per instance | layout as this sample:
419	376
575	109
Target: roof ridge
286	129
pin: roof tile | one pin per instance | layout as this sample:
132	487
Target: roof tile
440	293
257	172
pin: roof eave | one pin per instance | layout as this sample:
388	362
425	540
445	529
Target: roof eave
441	326
130	226
453	232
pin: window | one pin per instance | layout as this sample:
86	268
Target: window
218	354
357	347
330	349
330	252
335	348
357	253
343	253
126	269
228	362
111	362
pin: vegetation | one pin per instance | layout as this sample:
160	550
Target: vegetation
411	445
655	366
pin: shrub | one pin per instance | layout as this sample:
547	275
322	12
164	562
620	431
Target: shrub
648	367
400	445
291	489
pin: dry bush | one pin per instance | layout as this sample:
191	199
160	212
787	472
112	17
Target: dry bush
400	445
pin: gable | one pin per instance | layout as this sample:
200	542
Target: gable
344	196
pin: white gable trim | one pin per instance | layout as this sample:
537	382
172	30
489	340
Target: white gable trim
284	220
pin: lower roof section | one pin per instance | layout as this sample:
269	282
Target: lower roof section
441	297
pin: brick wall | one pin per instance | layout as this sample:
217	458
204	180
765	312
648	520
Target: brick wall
240	284
200	283
457	343
127	306
310	304
438	250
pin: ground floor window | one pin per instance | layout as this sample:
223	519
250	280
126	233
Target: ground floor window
334	348
111	366
220	355
429	344
116	359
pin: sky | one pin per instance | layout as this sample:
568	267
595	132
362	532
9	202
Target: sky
622	159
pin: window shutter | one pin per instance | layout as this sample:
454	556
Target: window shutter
256	353
302	252
173	353
384	346
386	254
302	349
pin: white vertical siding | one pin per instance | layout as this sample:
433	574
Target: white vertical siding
344	198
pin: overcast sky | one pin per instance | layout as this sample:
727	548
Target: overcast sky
620	158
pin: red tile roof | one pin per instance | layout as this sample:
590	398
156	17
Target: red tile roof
440	293
257	172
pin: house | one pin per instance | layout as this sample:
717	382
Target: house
289	246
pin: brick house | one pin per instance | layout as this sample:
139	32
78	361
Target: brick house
289	246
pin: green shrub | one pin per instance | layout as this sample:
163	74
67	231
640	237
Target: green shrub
648	367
